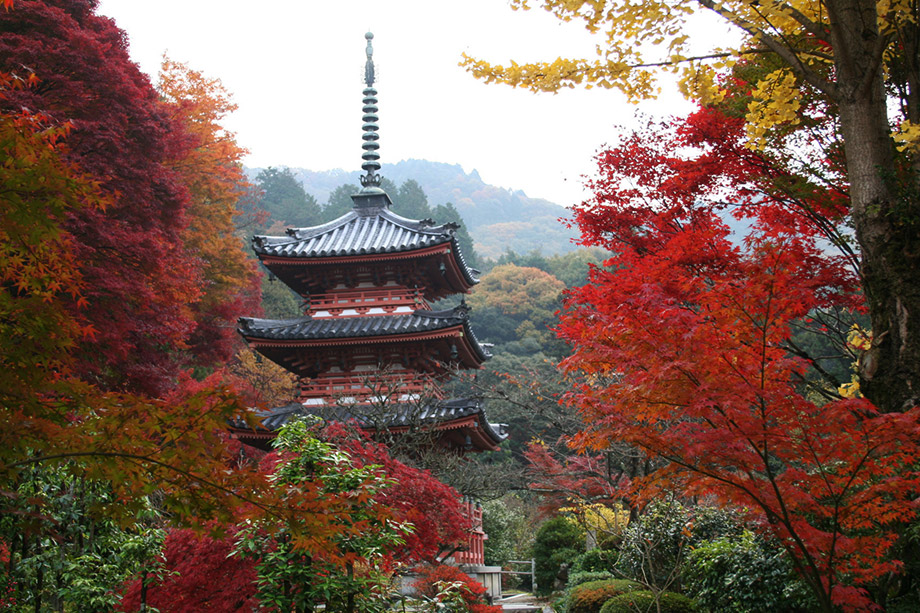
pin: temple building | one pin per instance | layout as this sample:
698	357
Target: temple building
369	347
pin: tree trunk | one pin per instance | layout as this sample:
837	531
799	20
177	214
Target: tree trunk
886	211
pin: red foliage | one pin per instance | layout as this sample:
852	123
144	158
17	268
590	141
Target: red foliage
472	591
563	480
201	575
414	495
682	348
138	279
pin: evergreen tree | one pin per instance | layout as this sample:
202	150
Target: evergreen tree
339	201
285	199
444	213
411	201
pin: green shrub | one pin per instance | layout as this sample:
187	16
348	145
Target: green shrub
590	597
577	578
654	547
558	542
643	600
595	560
741	574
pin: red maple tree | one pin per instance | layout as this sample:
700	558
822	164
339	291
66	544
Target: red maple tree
138	278
202	575
683	346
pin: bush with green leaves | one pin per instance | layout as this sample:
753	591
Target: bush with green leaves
64	546
504	524
654	548
558	543
644	600
740	574
583	576
590	597
596	560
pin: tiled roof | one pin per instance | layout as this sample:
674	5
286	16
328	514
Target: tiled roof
398	415
375	230
309	328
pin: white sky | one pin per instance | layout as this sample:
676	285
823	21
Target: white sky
295	68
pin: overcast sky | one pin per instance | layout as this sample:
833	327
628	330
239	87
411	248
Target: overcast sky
295	68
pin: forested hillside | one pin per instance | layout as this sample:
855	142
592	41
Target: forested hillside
499	219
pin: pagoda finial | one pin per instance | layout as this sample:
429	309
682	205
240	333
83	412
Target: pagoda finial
370	156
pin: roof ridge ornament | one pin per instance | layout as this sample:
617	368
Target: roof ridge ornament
370	156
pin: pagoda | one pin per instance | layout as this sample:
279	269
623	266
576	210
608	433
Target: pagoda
369	340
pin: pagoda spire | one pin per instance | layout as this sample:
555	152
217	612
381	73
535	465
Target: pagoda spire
370	156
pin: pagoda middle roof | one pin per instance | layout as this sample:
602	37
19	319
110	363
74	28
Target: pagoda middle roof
310	328
371	231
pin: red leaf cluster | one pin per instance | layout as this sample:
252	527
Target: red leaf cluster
201	575
472	592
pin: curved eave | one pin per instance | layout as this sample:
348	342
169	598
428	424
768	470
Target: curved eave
306	332
355	233
460	277
457	417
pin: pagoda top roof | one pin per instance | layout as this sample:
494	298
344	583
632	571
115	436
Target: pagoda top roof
368	229
310	328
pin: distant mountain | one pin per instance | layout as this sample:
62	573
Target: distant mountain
498	219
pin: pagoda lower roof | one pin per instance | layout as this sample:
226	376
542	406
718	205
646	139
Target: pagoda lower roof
450	414
363	232
308	328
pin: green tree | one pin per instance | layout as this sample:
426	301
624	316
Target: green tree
293	576
558	543
515	304
410	201
285	200
279	301
339	201
63	549
446	213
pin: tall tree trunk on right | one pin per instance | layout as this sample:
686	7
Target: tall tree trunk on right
885	208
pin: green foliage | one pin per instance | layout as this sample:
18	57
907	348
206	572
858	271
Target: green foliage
666	602
285	200
515	307
741	574
558	542
571	268
654	547
63	548
410	201
596	560
291	575
278	301
577	577
504	523
339	202
446	213
589	597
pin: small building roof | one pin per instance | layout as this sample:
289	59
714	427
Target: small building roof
460	416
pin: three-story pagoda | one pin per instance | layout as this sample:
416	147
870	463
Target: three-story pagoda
368	336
